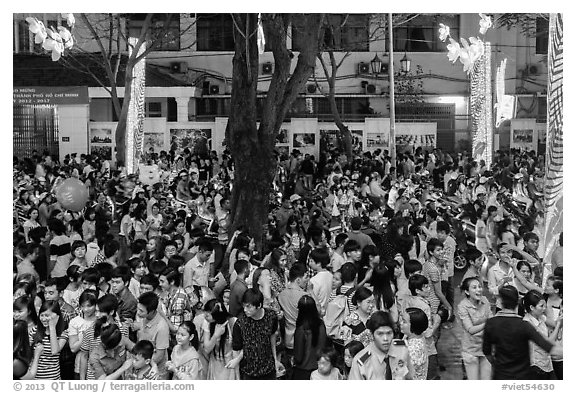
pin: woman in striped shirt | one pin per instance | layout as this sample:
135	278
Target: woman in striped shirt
52	335
23	310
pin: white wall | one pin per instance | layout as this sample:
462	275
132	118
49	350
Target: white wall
73	124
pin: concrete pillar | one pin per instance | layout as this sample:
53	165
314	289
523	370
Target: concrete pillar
182	106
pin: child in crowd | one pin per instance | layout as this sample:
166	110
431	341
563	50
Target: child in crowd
413	324
140	364
327	369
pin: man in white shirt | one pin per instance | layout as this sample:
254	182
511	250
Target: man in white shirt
322	280
501	273
197	269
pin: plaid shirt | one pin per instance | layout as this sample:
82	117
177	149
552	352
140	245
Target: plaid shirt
177	305
100	258
68	312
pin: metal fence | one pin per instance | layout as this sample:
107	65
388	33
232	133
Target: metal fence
35	128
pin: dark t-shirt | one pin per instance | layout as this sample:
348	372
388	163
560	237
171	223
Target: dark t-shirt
307	167
253	337
506	339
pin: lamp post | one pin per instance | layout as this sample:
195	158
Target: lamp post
392	135
376	65
405	63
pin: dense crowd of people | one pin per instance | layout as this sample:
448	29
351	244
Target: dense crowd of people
354	277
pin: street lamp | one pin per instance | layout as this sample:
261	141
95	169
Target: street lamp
405	63
376	65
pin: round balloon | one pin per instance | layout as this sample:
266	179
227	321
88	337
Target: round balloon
72	194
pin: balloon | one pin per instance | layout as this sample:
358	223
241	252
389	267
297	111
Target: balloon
72	194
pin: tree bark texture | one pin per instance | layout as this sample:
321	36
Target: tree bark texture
252	147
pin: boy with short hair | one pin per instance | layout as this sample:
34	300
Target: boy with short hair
322	280
352	251
238	286
119	283
139	366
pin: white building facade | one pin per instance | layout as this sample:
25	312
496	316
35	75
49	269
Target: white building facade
198	54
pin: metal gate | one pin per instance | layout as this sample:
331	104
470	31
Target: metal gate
442	114
35	128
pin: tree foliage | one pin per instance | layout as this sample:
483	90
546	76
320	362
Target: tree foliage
526	23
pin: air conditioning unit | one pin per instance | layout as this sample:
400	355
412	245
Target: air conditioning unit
370	89
534	69
180	67
214	89
267	68
363	68
311	88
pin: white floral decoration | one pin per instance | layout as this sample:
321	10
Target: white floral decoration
52	40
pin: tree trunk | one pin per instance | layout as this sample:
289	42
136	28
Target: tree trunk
252	148
253	168
344	130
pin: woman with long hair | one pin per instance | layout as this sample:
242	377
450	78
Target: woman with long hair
368	260
540	360
473	312
504	232
481	241
384	291
261	279
217	336
184	361
309	339
31	222
276	264
80	324
89	225
296	235
23	310
52	335
24	362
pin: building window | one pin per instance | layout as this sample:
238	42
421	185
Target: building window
164	38
153	109
344	32
214	32
212	107
24	39
421	33
541	36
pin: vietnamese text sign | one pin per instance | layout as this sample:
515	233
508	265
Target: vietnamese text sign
36	95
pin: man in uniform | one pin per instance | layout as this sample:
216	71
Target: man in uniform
384	358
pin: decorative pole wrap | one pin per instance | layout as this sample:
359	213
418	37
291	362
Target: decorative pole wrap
135	121
554	181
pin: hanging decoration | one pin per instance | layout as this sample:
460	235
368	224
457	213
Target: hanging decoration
554	180
55	40
475	56
504	103
135	121
261	38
